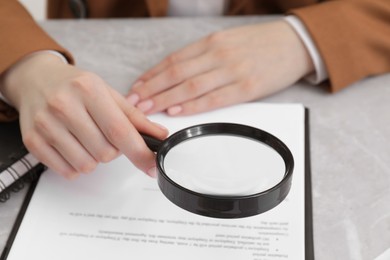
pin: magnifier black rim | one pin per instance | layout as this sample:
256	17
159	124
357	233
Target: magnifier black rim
219	206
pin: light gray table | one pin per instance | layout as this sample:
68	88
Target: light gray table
350	130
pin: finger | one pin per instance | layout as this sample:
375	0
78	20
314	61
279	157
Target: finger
57	136
82	126
188	52
191	89
218	98
49	156
118	130
139	120
193	50
172	76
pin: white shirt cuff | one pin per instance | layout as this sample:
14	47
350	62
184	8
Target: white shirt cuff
56	53
320	74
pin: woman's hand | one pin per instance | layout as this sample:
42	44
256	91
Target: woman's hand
71	119
227	67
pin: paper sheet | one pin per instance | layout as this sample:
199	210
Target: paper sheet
117	212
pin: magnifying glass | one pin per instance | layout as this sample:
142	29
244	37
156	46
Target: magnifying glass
223	170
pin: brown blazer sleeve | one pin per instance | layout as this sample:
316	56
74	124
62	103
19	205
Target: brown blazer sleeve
20	35
353	38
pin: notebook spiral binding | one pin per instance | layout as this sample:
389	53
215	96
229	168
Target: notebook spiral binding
17	166
4	196
19	169
20	184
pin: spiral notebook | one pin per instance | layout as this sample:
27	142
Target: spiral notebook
117	212
17	166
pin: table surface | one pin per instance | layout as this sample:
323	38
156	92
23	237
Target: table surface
349	130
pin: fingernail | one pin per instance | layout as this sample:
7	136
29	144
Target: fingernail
174	110
152	172
145	105
137	84
133	99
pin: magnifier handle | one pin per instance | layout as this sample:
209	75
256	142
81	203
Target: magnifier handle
151	142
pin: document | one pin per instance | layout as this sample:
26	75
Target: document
117	212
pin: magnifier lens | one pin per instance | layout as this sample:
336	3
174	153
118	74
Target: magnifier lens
224	165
